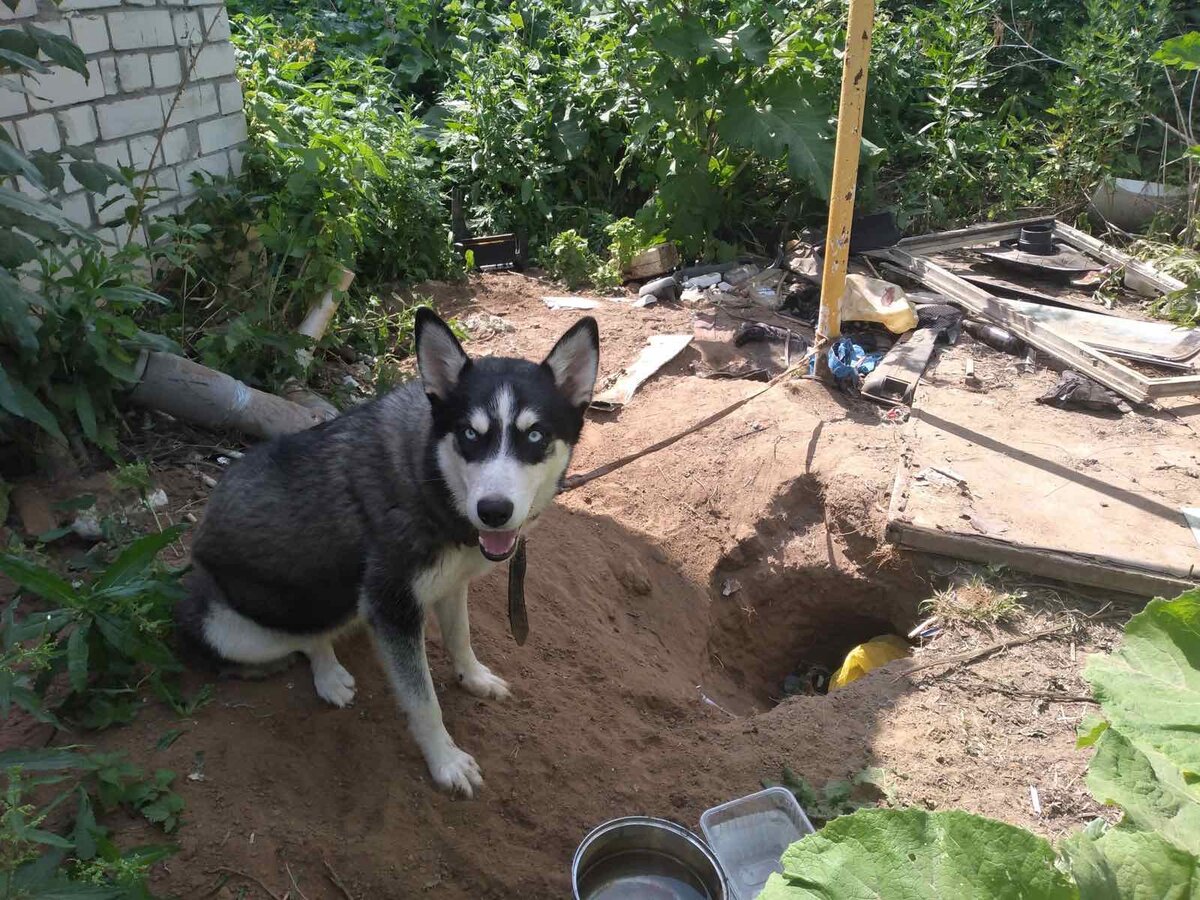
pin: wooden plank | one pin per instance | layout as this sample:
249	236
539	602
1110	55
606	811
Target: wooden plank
894	381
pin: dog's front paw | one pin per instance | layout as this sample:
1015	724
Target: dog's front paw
334	685
456	771
482	682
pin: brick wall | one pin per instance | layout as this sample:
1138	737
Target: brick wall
138	52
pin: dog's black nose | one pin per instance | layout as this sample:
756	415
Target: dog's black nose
495	511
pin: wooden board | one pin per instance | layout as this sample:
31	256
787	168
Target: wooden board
1080	498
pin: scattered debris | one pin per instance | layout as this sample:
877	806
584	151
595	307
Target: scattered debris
157	499
570	303
730	587
659	350
1191	515
848	363
1037	252
878	651
995	337
485	324
1036	801
895	378
1074	391
970	380
665	289
87	526
703	281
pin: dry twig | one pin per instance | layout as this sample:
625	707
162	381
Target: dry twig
974	655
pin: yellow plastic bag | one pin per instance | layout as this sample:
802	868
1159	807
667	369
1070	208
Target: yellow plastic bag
871	655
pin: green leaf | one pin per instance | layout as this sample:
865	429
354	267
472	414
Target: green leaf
49	759
1150	688
1123	864
40	212
77	658
59	49
784	124
85	827
1090	730
913	855
1151	793
93	175
1181	52
15	249
14	162
135	558
37	580
86	413
18	400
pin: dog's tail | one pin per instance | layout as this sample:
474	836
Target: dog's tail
191	645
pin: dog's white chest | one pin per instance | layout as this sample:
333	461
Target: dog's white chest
449	573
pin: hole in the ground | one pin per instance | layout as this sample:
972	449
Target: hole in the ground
787	609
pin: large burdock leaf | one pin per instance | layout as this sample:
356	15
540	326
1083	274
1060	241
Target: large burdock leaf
1122	863
917	855
783	120
1149	690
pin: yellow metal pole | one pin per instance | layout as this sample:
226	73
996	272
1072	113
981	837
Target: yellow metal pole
845	170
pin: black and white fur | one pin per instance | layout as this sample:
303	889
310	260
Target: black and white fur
385	513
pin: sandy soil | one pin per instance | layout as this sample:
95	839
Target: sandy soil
643	688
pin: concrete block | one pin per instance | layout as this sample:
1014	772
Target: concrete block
230	96
39	133
108	75
166	69
220	30
90	33
134	71
62	87
214	61
140	29
215	164
76	208
78	124
217	134
24	10
176	147
67	5
236	157
198	101
12	104
188	29
121	118
114	154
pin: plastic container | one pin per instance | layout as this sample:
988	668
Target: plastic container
749	835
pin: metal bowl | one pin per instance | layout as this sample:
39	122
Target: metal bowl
645	858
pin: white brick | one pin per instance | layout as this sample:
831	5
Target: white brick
24	10
216	164
84	4
90	33
166	69
220	31
176	147
62	87
58	26
79	125
140	2
120	118
187	27
39	133
141	29
214	61
230	96
236	156
77	209
217	134
114	154
12	103
134	71
199	101
108	75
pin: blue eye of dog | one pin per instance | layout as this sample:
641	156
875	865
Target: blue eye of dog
470	434
534	437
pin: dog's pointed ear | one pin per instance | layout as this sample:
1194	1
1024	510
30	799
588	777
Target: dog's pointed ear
440	357
575	361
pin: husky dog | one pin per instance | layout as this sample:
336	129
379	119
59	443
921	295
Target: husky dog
384	513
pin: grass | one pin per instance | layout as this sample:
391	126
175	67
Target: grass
974	602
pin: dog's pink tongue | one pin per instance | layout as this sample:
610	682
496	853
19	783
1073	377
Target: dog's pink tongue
497	543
